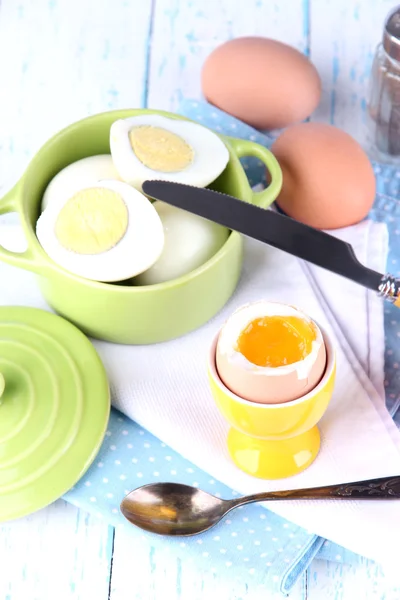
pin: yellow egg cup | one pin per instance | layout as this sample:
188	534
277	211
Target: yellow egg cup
273	441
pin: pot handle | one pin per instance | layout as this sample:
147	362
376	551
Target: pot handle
266	197
28	259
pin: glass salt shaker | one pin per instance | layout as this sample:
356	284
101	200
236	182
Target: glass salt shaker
384	93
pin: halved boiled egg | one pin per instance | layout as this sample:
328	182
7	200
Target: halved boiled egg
190	241
79	174
270	353
157	147
107	231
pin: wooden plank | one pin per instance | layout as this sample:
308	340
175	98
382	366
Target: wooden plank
59	552
157	574
186	31
62	60
335	581
343	39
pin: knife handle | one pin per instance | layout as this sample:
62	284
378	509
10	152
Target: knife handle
389	289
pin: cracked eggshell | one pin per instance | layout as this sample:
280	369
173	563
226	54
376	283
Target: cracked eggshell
267	385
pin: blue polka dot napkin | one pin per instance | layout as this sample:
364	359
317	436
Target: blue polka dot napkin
256	546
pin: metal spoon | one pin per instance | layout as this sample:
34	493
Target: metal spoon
177	509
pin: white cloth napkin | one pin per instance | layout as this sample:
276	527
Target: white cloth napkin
362	328
164	388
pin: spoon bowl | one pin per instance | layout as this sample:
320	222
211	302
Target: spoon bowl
178	509
172	509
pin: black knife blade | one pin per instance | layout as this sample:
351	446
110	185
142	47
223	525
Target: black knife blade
270	227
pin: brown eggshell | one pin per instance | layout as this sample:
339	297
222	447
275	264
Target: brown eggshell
269	389
263	82
328	180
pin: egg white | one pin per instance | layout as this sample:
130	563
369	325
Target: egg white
190	241
210	153
140	247
241	318
79	174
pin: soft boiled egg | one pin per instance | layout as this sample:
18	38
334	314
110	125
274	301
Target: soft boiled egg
107	231
270	353
79	174
157	147
190	241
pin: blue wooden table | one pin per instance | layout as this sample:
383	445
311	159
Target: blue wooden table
61	60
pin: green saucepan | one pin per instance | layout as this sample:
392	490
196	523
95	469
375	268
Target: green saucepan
120	313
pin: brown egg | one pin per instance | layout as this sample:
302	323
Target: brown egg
292	342
328	180
265	83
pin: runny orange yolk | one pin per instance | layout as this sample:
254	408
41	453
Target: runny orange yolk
276	341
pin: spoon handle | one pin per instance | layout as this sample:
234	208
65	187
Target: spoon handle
371	489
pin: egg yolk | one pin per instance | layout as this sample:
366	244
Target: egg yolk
275	341
92	221
160	149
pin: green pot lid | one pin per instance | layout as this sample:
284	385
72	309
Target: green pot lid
54	408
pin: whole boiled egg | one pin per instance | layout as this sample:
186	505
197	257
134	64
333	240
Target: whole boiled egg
79	174
328	179
106	231
270	353
190	241
156	147
261	81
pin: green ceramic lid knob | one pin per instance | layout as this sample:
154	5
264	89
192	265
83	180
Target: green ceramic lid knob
54	411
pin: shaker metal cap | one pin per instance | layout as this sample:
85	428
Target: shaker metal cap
391	34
